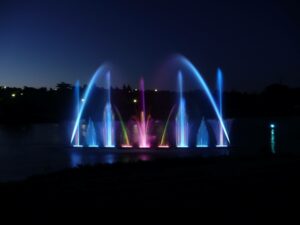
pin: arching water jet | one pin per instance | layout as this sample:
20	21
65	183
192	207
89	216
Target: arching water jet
124	131
86	95
77	109
188	64
163	143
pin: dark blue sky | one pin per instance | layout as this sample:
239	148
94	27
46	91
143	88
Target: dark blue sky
45	42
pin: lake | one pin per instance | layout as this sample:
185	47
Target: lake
27	150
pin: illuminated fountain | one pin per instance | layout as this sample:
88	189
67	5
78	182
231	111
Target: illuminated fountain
77	105
91	137
143	122
82	106
189	65
182	125
126	142
140	134
221	141
163	142
108	119
202	135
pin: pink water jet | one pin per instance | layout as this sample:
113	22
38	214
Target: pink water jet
143	122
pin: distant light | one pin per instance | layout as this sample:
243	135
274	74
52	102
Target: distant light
155	90
136	89
4	87
134	100
272	125
82	100
13	95
22	94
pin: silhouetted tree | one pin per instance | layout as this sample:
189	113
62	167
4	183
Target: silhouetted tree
64	86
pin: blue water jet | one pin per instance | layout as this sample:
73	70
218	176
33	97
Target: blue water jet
207	91
181	118
86	95
108	118
221	142
202	135
77	109
91	137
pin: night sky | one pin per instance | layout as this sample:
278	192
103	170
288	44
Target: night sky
255	42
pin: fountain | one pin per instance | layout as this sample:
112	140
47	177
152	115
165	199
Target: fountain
124	131
182	125
91	137
221	142
108	119
188	64
143	123
86	95
77	105
163	142
202	135
140	132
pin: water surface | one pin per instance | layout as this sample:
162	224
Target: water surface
27	150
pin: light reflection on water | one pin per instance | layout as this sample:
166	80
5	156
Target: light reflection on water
87	156
144	157
76	159
109	159
80	157
273	140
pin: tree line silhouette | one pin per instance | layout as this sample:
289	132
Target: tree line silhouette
27	105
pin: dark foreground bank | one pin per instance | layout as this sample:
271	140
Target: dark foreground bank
229	183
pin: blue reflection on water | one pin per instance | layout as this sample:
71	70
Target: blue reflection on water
109	159
76	159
